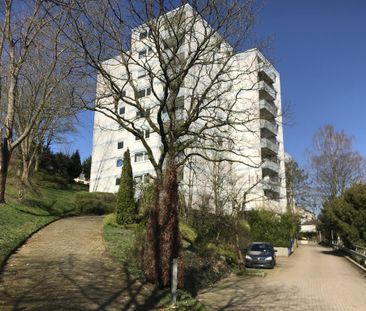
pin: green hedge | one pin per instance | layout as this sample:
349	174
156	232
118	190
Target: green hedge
95	203
267	226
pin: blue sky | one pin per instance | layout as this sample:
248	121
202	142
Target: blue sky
319	48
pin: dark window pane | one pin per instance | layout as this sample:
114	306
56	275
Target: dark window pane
122	110
143	35
119	162
140	93
142	54
118	180
120	145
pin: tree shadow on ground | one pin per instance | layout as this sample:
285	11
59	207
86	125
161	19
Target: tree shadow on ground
332	252
53	285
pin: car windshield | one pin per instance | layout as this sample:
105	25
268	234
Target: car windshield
260	247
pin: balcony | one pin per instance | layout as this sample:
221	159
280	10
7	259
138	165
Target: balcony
265	73
270	126
270	145
272	186
266	91
270	165
269	107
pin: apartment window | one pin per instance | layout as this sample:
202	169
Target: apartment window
137	179
145	52
143	35
140	114
179	105
119	162
142	54
142	178
120	145
118	181
122	110
144	92
145	133
123	93
141	73
140	156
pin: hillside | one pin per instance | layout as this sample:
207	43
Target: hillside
30	208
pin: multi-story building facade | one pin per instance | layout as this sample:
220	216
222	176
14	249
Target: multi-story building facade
256	170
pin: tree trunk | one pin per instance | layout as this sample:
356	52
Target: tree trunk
5	155
25	171
36	164
162	243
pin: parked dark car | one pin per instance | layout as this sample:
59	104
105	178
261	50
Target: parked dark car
260	255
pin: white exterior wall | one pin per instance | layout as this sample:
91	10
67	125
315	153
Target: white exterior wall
107	134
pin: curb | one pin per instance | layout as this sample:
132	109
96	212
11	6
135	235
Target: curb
355	263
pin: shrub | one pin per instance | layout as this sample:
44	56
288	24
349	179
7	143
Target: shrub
125	208
219	229
146	199
110	220
267	226
95	203
222	250
187	233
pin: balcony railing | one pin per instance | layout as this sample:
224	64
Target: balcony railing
271	126
268	144
266	71
270	185
266	91
271	165
270	107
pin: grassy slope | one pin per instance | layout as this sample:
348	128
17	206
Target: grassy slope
29	209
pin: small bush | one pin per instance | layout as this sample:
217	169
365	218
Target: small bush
95	203
110	220
222	250
188	233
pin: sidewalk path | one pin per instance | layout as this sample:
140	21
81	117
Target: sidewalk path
65	267
314	278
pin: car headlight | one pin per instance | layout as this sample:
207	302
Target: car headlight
268	258
248	257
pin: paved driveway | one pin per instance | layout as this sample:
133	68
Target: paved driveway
65	267
313	278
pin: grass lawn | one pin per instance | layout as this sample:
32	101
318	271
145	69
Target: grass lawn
28	209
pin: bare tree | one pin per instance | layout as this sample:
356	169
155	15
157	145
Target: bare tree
335	165
298	188
44	82
19	34
193	49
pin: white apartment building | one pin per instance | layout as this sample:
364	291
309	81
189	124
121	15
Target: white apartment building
257	167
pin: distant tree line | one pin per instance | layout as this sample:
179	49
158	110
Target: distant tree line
67	166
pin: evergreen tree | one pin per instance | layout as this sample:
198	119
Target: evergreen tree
74	168
125	208
86	167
